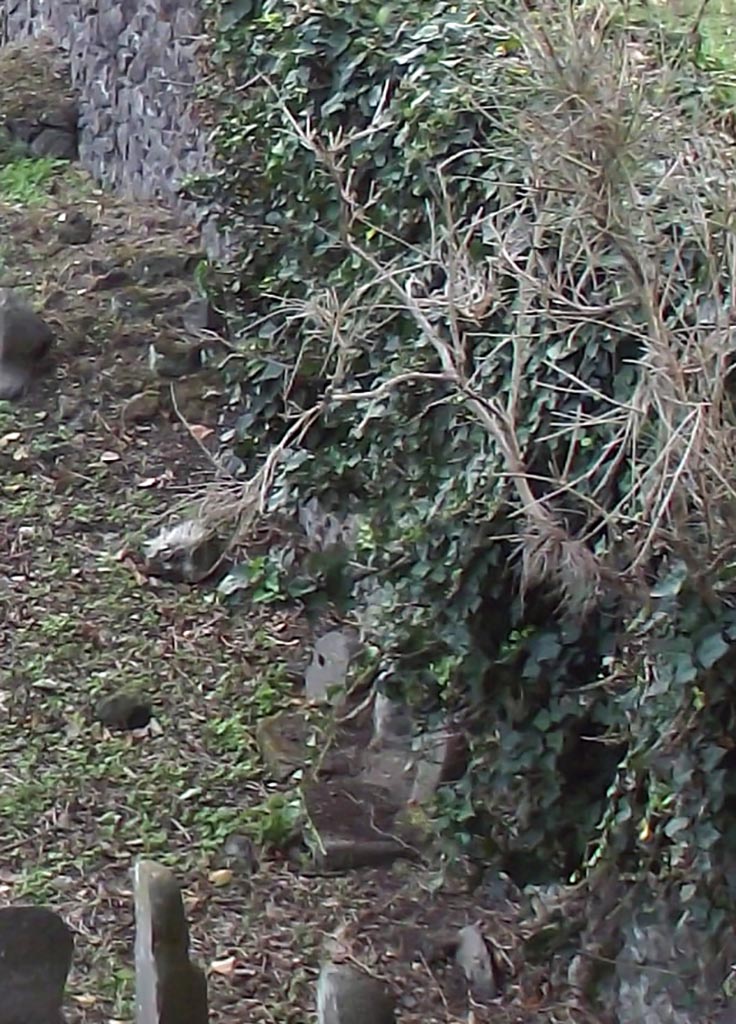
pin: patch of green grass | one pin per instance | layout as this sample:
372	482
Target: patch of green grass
27	180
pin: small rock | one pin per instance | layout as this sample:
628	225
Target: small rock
55	142
69	407
141	408
123	711
173	358
238	854
75	229
198	314
185	553
284	744
65	116
347	996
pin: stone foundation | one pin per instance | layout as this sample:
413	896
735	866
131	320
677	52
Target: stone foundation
135	67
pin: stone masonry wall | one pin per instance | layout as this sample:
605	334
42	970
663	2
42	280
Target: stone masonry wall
134	65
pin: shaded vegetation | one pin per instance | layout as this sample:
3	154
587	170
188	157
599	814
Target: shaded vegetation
484	298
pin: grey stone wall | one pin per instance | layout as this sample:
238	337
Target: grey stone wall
135	66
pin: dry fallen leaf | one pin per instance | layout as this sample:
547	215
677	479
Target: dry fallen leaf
200	431
85	999
109	456
223	876
225	967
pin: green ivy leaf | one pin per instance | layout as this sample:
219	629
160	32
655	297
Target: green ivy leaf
711	649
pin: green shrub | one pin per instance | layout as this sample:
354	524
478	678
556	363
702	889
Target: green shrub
485	262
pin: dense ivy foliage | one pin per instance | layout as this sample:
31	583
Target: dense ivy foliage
484	271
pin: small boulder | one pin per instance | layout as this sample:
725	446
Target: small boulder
125	711
75	229
25	341
348	996
284	743
56	143
238	855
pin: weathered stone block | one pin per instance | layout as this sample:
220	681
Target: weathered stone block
348	996
25	339
35	956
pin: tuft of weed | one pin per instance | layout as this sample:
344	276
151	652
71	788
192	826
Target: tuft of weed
27	180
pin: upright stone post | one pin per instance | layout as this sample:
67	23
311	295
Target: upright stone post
169	988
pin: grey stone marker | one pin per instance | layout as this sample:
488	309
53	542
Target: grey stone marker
347	996
35	956
330	662
169	988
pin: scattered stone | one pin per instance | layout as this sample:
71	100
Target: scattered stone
238	853
63	116
348	996
354	825
331	659
156	267
25	340
69	408
442	757
185	553
75	229
56	143
171	357
283	743
123	711
169	988
391	722
326	529
474	957
46	132
199	314
36	950
141	408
